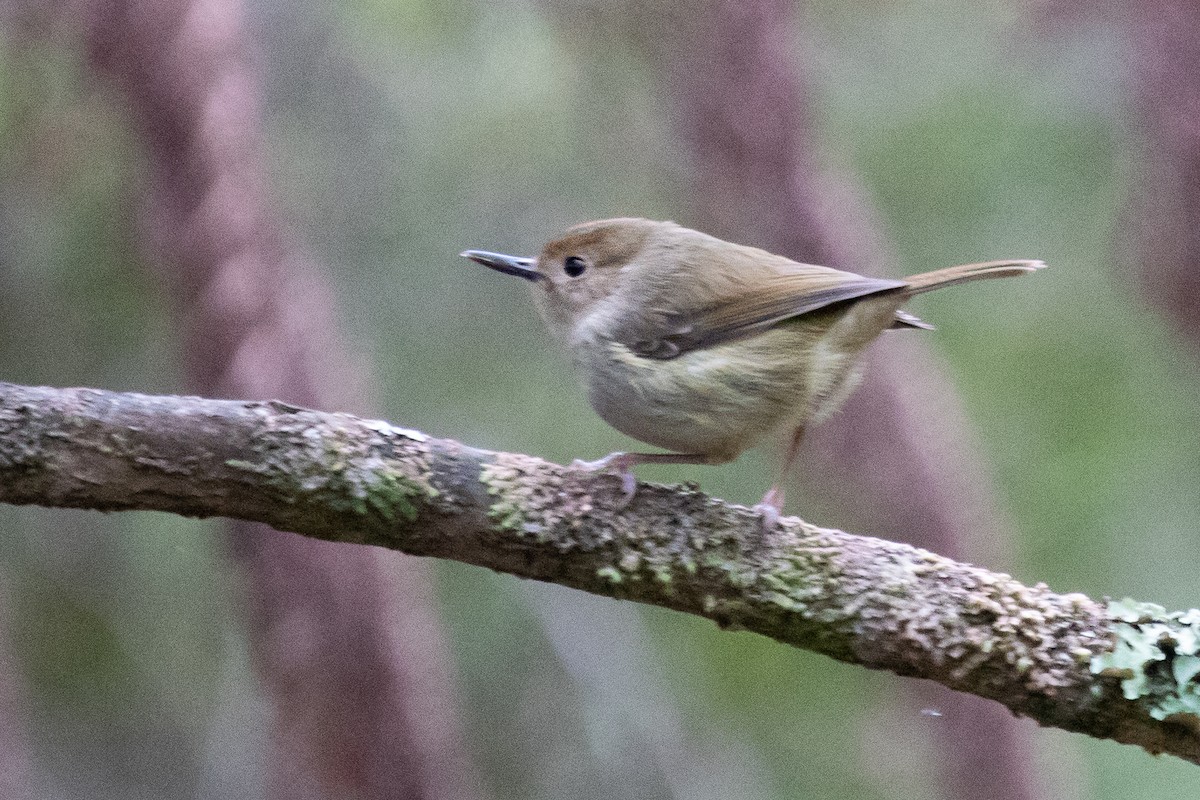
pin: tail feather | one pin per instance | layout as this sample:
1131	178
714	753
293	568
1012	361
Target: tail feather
949	276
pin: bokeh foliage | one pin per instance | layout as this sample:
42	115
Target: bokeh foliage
401	132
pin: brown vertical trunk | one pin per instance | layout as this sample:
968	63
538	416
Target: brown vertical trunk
1165	208
346	639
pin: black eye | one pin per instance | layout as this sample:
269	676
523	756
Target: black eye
574	266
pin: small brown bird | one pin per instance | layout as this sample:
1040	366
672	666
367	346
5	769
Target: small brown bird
704	347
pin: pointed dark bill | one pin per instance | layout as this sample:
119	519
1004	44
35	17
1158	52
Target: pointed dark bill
520	266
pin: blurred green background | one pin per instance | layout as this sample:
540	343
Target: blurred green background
401	132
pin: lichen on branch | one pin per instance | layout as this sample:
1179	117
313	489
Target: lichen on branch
1122	672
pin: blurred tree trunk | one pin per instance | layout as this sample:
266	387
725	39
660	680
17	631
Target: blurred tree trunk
733	84
21	31
15	762
346	639
1165	206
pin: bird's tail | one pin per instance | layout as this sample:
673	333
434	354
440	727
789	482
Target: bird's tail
949	276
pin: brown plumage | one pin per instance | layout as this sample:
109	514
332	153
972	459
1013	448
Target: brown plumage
704	347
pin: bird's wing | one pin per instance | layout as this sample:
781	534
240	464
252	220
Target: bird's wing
743	313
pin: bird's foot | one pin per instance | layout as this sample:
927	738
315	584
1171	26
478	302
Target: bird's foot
770	508
620	464
623	463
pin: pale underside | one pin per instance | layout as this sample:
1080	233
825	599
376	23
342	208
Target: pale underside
720	400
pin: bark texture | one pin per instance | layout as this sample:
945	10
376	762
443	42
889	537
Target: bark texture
1120	672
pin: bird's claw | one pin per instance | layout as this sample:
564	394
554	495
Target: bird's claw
618	463
771	508
770	516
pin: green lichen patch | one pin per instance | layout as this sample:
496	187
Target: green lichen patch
1157	658
372	487
339	465
611	575
533	498
796	580
530	499
503	482
392	494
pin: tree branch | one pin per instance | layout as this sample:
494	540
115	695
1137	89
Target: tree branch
1124	671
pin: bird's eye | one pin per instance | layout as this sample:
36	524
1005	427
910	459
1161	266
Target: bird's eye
574	266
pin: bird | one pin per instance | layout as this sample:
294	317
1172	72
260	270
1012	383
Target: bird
705	348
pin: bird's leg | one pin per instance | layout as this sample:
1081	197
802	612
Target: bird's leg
771	506
623	463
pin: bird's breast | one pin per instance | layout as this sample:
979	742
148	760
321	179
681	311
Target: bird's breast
715	401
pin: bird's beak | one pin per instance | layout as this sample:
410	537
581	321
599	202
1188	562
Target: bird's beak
510	265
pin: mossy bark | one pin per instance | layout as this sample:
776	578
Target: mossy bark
855	598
